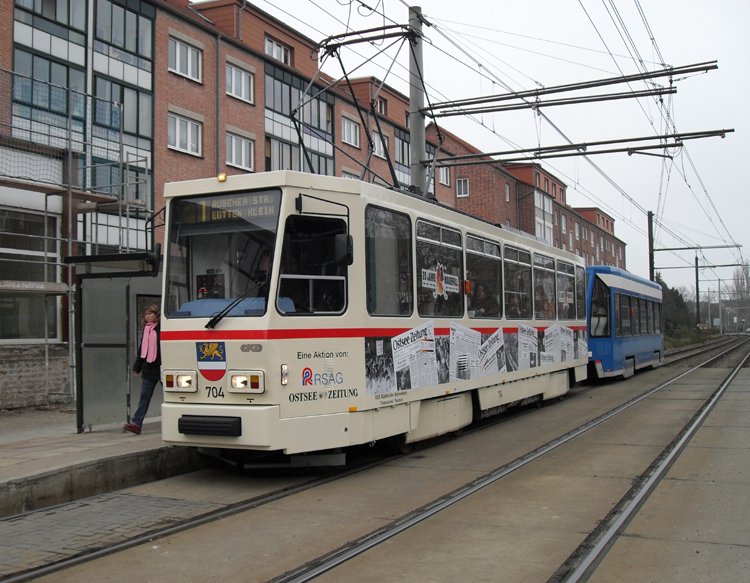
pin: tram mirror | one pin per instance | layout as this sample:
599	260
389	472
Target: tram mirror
343	249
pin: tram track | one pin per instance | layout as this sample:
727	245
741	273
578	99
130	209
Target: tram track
368	541
585	558
582	560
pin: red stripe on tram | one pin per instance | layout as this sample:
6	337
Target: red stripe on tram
309	333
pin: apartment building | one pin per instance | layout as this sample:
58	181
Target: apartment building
104	101
484	190
544	212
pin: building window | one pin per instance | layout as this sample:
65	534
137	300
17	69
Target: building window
350	175
278	51
577	228
402	148
563	224
240	83
115	25
379	144
39	89
70	13
184	59
507	193
382	106
445	175
281	155
543	216
117	103
546	184
25	241
240	152
536	179
462	187
184	134
350	132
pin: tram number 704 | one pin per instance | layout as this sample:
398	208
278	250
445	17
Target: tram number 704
215	392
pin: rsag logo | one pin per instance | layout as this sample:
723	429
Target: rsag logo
326	379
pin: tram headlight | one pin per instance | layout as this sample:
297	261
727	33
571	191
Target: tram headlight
180	381
250	381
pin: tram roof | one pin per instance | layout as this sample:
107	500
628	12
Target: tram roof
619	278
296	179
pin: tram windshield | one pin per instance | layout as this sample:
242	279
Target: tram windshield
221	253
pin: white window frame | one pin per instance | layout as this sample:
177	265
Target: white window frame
278	51
183	125
462	187
507	192
242	154
563	224
382	106
246	80
185	69
378	145
445	176
350	132
350	175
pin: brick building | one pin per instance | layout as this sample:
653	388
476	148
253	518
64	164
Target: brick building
94	120
544	212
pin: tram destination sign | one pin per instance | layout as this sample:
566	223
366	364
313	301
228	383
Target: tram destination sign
258	207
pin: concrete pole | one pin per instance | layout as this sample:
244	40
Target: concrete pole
651	245
416	104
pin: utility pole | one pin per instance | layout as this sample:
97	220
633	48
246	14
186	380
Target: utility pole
651	245
416	104
697	300
721	317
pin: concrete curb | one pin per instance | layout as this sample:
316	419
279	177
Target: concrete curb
97	477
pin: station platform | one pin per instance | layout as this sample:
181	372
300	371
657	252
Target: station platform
45	461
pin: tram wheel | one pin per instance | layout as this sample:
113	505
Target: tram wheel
397	444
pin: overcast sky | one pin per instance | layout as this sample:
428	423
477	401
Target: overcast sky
481	48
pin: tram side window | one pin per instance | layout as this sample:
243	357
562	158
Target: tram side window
484	272
644	315
389	262
635	317
310	276
657	318
618	319
650	316
600	317
625	315
565	291
439	271
544	288
517	272
580	293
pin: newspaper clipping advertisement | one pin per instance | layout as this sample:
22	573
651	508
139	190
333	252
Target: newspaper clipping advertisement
464	350
527	347
492	354
558	344
414	357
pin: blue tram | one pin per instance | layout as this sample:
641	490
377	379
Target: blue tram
624	322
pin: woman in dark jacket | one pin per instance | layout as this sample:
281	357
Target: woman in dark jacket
147	365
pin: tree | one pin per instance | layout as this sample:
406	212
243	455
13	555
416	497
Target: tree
675	311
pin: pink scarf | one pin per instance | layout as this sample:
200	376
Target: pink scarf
148	343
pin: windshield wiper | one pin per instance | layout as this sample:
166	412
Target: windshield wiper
219	316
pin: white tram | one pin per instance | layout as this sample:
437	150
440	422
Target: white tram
306	313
